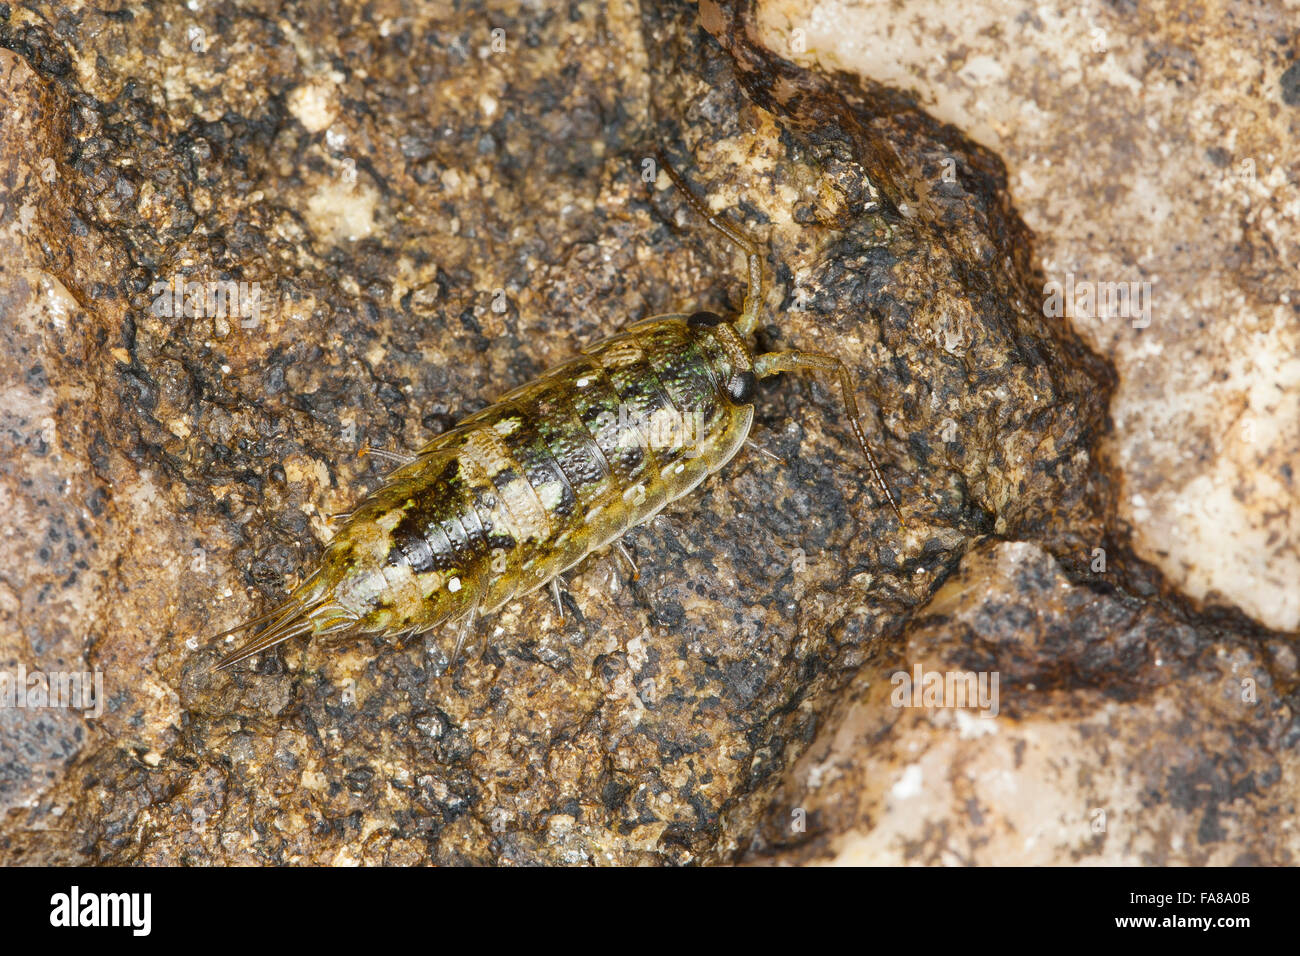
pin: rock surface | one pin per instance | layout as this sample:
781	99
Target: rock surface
1118	734
1155	144
432	208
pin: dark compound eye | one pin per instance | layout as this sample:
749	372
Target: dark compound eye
742	386
704	320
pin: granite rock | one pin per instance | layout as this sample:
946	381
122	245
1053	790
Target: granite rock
417	211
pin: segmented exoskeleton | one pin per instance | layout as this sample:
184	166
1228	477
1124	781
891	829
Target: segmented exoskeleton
520	492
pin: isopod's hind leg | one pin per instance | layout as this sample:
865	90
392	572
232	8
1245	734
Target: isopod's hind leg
462	633
398	458
621	550
795	360
403	462
557	597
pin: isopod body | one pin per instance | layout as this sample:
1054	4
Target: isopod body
525	489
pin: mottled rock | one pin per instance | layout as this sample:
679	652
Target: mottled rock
1151	145
424	212
1111	731
52	571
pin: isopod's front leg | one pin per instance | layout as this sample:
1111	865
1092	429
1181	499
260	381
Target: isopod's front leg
765	452
796	360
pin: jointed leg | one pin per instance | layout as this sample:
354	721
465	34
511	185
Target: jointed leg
463	632
770	455
773	363
555	596
621	550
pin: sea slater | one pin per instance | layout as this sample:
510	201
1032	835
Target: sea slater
515	495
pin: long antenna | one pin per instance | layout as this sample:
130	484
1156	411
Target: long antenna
748	319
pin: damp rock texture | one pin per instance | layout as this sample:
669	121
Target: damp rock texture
1117	733
250	250
1150	145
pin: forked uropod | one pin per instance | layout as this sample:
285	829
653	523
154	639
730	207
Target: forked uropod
525	489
